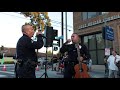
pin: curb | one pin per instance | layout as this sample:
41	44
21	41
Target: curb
1	65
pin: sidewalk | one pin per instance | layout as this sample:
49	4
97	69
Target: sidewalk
97	71
1	65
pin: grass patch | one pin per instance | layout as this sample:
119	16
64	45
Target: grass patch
8	60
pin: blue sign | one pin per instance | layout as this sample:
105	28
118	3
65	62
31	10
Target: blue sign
108	33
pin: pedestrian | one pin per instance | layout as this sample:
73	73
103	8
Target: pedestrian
113	69
72	59
26	55
90	65
106	66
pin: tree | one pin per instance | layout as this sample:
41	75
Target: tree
38	19
49	52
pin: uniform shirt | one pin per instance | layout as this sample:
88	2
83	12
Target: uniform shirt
72	52
111	63
26	47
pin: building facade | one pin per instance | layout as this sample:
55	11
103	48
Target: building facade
89	25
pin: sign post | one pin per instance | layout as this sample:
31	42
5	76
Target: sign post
107	51
2	62
108	34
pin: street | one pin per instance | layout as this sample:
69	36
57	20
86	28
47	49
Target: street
97	72
9	73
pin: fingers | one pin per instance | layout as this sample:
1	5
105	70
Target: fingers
81	59
69	40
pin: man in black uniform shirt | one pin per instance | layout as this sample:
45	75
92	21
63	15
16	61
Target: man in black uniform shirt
72	55
26	55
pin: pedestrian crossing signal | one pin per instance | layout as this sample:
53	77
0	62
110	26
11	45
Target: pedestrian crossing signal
55	48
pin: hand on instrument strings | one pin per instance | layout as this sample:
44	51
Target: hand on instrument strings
81	59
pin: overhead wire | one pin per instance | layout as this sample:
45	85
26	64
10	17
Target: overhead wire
53	21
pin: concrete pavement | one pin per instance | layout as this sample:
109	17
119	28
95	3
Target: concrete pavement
97	72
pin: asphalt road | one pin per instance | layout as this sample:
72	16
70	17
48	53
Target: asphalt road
9	73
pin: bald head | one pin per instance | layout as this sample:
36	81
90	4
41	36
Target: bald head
28	30
25	27
75	38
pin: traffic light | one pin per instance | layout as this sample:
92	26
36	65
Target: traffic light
55	33
58	42
55	48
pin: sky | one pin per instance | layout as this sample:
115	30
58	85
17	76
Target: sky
11	22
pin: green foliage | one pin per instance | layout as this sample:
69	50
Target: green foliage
38	19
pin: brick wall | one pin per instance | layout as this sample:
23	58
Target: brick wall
115	24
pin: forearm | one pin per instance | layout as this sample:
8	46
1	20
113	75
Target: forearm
39	41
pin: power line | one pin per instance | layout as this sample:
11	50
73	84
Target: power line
63	28
14	16
56	22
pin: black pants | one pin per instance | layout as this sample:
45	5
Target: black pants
26	71
106	68
16	74
69	71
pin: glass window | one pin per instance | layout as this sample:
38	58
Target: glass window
92	14
92	42
100	56
109	44
87	15
93	57
99	13
84	15
100	41
86	41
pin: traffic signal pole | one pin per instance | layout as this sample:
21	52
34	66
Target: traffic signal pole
66	24
62	27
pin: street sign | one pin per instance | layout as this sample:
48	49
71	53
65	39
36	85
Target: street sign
108	33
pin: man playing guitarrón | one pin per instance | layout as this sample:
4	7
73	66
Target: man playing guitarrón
73	58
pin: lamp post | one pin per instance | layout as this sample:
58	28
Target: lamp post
62	28
66	24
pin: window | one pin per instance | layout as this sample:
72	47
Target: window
100	56
93	57
84	15
100	41
92	14
86	41
96	47
92	42
87	15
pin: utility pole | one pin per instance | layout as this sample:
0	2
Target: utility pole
52	57
62	27
66	24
